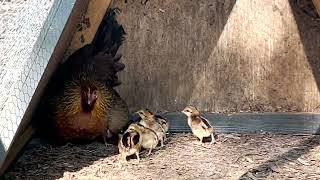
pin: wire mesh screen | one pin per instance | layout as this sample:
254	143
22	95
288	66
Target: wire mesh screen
29	31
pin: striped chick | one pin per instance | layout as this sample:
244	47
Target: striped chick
129	144
149	120
149	139
200	126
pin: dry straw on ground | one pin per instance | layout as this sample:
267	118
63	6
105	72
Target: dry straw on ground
235	156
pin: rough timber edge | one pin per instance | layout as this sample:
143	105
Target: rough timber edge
67	13
316	3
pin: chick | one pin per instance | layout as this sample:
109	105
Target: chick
149	138
129	144
162	121
199	125
149	120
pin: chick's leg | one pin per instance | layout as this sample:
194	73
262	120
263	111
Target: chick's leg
213	140
200	141
150	150
138	157
161	141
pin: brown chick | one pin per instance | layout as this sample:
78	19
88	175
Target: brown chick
200	126
149	138
162	121
149	120
129	144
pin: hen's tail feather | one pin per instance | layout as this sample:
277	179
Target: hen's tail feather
109	36
106	42
101	54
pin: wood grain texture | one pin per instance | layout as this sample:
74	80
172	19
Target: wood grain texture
89	24
230	55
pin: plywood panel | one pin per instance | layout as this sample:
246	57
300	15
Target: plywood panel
230	55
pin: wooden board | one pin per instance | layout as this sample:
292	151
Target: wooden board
221	56
317	5
282	123
89	24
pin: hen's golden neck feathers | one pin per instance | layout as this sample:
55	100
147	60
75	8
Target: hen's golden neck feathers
72	101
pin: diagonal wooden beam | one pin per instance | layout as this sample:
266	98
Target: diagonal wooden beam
89	25
317	5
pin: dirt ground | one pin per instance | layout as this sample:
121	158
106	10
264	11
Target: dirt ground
235	156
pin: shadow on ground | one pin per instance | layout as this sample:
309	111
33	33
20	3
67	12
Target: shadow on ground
45	161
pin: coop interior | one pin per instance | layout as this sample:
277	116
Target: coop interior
251	68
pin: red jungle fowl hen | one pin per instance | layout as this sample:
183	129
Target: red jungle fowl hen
80	103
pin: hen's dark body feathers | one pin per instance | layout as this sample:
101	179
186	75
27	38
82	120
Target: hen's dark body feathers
99	57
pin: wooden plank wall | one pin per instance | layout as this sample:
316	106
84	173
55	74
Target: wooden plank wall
221	56
247	123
